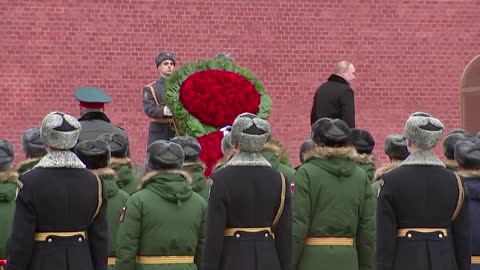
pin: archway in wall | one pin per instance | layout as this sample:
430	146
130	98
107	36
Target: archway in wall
470	89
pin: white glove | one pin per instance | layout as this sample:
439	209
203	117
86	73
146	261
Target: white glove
166	111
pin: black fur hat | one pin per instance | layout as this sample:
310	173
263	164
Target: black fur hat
396	147
449	144
467	154
330	132
362	140
191	147
32	145
95	154
308	144
118	144
6	155
163	154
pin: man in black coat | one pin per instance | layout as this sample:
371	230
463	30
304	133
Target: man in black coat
161	126
422	212
93	119
334	98
60	216
249	218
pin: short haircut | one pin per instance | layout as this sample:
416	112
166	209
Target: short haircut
342	66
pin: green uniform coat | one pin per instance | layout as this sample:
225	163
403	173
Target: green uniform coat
26	165
272	154
199	183
451	164
116	200
163	218
126	176
377	181
367	163
8	191
333	198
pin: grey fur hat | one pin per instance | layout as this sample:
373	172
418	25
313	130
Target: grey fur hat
60	130
330	132
118	144
224	56
95	154
165	56
308	144
191	147
396	147
250	133
467	154
6	155
423	130
227	142
163	154
32	145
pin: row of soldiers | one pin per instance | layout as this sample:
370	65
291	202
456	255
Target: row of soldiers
333	223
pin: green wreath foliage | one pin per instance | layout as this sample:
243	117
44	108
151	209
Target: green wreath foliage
187	124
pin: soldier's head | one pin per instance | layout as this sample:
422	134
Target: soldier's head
396	147
224	56
467	154
6	155
345	70
250	133
330	132
32	145
91	99
307	145
422	131
164	155
450	141
362	140
165	62
118	144
191	147
59	131
95	154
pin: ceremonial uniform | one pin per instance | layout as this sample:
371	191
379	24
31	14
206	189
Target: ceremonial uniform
249	212
163	226
60	215
422	208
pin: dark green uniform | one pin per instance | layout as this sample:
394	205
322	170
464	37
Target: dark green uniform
117	199
333	198
26	165
367	163
163	218
8	190
377	181
451	164
199	183
126	176
272	153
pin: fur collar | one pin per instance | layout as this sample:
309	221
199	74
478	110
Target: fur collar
121	161
365	159
347	152
9	175
274	148
104	171
25	162
248	159
422	158
151	174
449	163
60	159
385	168
469	173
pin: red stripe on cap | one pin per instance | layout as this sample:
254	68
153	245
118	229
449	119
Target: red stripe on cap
91	105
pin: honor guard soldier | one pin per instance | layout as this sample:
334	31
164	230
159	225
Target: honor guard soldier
33	148
95	154
449	148
249	207
93	119
161	126
60	216
120	163
422	208
333	204
396	150
163	224
193	165
364	143
8	190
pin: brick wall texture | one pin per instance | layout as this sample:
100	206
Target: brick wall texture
409	56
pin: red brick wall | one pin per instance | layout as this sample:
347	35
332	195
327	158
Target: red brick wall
409	56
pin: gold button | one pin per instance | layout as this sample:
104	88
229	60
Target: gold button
440	235
237	235
49	240
409	235
266	235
